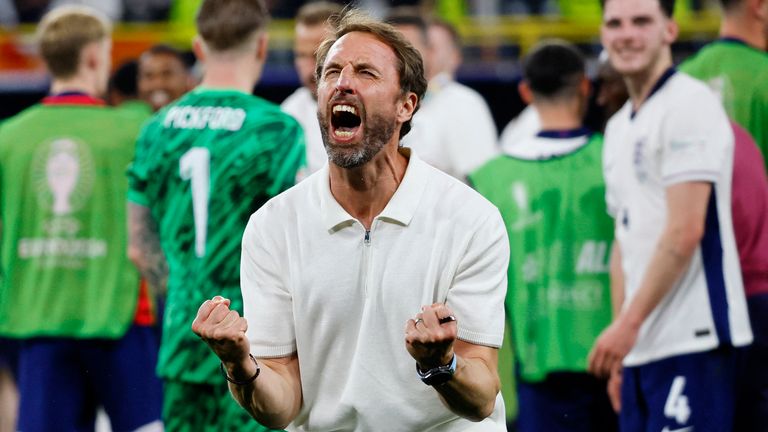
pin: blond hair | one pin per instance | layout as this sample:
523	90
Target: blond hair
64	32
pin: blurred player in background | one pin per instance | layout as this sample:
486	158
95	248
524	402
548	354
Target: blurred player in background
736	66
453	130
163	76
550	192
667	162
122	88
203	165
69	291
312	26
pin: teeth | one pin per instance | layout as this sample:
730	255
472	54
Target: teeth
343	134
346	108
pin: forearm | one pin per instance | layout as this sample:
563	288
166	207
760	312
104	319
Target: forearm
274	397
667	265
680	238
471	393
617	280
144	249
154	269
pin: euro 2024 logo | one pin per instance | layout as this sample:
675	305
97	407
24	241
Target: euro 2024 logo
63	175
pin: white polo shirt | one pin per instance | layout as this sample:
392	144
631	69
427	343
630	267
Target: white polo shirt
680	134
453	130
303	107
314	282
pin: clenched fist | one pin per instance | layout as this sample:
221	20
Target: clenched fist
430	337
222	329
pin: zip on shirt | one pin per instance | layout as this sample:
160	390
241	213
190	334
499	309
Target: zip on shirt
367	250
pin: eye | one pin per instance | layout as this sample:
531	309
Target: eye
330	73
642	21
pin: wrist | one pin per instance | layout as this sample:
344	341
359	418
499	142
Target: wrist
433	362
630	321
439	375
243	372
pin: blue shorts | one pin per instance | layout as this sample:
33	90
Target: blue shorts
62	382
691	392
752	405
567	402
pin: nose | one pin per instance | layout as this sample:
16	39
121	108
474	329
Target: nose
627	31
345	81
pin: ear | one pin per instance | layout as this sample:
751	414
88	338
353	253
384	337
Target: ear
261	47
198	47
89	56
671	30
525	92
585	87
759	9
406	109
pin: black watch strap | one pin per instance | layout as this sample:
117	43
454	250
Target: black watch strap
438	375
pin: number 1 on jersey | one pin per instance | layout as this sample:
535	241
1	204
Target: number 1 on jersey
195	165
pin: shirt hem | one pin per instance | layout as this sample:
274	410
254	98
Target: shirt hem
493	341
137	198
707	176
631	361
273	351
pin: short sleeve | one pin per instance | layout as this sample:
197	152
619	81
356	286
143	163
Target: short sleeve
697	140
479	287
138	170
267	304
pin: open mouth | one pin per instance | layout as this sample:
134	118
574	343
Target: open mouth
345	121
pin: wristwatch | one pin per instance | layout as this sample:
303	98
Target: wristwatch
438	375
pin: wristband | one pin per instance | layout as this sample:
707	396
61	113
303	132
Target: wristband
245	382
439	375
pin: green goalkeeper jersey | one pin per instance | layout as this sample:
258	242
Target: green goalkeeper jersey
203	165
738	73
65	271
551	196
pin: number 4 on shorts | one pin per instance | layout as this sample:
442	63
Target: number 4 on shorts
677	406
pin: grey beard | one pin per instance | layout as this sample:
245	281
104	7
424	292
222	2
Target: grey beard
376	134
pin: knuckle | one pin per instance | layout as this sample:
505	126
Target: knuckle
218	334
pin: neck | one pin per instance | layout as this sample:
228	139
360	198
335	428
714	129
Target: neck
231	73
736	25
364	191
559	116
639	85
77	83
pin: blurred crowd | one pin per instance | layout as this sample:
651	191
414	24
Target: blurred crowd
30	11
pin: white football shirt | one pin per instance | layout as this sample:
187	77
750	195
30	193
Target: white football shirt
679	134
